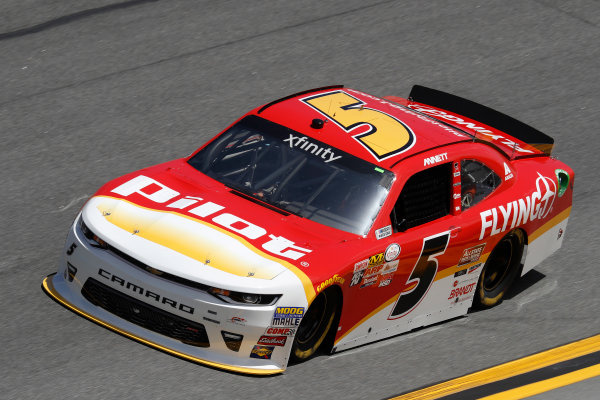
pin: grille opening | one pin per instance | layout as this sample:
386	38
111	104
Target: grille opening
145	315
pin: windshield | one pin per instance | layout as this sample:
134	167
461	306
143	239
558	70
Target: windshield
296	173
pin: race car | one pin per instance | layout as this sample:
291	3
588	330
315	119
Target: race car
316	223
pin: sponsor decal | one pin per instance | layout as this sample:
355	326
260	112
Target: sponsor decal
470	125
359	266
272	340
461	291
287	316
368	281
474	268
411	113
389	267
376	259
132	287
383	232
330	281
435	159
456	174
374	270
263	352
456	196
507	172
303	143
471	255
304	264
274	330
381	269
392	252
196	207
357	277
535	206
459	273
385	280
237	320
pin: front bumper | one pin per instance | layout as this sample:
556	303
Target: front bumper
84	264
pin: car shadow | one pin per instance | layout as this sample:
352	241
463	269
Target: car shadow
524	283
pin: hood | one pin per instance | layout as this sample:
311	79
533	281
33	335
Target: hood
172	212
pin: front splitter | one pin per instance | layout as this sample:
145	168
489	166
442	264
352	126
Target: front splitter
49	289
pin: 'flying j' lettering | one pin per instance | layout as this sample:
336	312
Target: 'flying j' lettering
535	206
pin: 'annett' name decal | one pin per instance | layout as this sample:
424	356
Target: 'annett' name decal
313	148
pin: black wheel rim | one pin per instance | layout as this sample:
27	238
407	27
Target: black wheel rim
312	321
498	265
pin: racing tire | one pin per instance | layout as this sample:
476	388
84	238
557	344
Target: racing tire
500	270
316	326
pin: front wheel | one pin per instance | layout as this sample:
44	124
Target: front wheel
315	326
500	270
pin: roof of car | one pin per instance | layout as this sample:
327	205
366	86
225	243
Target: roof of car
374	129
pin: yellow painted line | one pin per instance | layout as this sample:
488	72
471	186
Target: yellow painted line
49	289
508	370
189	248
546	385
550	224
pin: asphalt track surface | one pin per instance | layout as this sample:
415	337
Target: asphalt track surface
93	89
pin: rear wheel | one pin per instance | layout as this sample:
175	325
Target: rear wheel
315	326
500	270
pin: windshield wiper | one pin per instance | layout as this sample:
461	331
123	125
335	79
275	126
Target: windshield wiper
238	191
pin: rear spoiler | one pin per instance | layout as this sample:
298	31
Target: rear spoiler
483	114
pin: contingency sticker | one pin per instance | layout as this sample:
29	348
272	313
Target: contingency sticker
359	266
287	316
274	330
262	352
392	252
383	232
272	340
471	255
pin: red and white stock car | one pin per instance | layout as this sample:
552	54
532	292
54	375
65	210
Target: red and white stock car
316	223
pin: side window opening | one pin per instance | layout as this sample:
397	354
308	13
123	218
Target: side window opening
425	197
477	182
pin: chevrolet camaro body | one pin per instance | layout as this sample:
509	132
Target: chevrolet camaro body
327	218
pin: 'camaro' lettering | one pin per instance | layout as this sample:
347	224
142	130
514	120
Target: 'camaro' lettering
159	193
147	293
